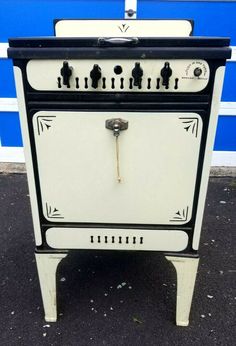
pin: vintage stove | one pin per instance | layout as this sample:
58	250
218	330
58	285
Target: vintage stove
118	126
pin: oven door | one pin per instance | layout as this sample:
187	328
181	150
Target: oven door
79	161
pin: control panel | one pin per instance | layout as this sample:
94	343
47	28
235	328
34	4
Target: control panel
127	75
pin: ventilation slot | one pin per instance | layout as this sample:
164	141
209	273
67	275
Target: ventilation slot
122	83
59	82
77	83
149	83
104	83
86	83
113	83
158	83
176	83
131	83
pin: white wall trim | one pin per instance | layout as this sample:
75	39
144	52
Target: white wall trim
227	108
12	154
3	50
10	105
224	158
219	158
233	57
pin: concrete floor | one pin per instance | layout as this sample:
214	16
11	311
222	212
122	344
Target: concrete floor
92	310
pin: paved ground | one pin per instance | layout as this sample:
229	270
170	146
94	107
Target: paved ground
92	310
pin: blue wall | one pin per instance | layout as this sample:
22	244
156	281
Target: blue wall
10	129
35	18
210	19
226	133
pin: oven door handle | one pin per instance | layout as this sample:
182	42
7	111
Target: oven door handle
117	41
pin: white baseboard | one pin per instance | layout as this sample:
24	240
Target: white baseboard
224	158
12	154
16	155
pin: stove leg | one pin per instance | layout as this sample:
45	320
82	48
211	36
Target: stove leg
186	269
47	268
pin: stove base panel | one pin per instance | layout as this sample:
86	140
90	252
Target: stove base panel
116	239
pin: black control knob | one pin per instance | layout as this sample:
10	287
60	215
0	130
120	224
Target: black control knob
95	75
197	72
66	72
166	73
137	74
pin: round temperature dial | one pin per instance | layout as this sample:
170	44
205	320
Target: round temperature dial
197	69
197	72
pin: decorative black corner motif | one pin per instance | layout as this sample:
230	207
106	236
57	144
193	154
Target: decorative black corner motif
123	27
53	213
191	125
180	216
44	123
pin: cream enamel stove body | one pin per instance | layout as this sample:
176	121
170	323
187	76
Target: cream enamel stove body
118	135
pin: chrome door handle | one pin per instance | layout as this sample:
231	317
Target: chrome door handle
116	125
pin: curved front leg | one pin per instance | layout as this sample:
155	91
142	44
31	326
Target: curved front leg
186	269
47	268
